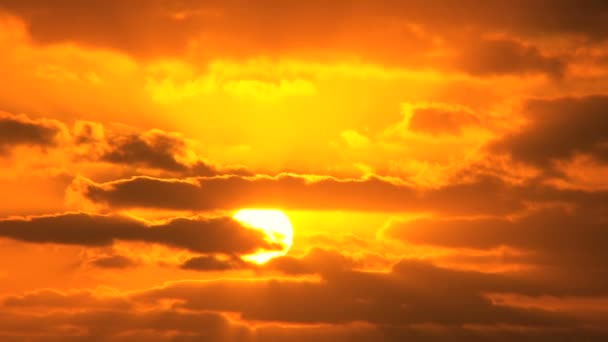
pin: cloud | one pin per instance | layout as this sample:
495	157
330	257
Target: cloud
316	261
152	149
197	234
53	299
574	238
87	141
412	293
476	195
393	32
114	261
559	129
18	130
121	325
163	325
508	238
214	263
504	56
413	299
160	150
440	119
288	192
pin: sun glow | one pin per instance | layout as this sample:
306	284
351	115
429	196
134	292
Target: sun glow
274	223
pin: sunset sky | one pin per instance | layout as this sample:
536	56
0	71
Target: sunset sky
314	170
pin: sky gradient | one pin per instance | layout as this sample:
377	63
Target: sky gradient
443	166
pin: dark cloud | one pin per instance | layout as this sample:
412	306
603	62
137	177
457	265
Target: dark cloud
89	24
49	299
384	30
214	263
157	149
163	325
229	29
498	57
114	261
200	235
21	130
415	299
559	129
316	261
154	149
413	293
90	141
437	120
559	237
487	195
121	325
285	191
289	191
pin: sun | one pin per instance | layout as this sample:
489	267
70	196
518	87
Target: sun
274	223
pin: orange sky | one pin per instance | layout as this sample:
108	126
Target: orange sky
443	164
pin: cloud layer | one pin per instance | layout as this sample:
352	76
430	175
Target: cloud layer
443	165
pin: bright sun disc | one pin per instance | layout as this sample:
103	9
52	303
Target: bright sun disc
274	223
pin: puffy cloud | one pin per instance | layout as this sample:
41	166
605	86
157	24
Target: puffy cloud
156	149
440	118
162	325
391	32
198	234
315	261
576	237
412	293
21	130
121	325
214	263
503	56
52	299
414	299
559	129
114	261
152	150
490	222
288	191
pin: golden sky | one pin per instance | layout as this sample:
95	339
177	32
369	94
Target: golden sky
279	170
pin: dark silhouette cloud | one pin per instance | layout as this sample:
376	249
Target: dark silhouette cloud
157	149
121	325
154	149
413	293
244	29
200	235
467	226
21	130
49	299
499	57
316	261
573	238
214	263
487	195
435	120
414	299
114	261
164	325
559	129
92	142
